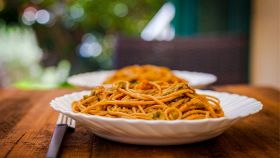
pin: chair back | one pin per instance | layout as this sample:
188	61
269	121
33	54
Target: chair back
226	56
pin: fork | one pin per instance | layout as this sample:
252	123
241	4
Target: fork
63	124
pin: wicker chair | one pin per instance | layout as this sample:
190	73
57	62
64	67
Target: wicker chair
224	56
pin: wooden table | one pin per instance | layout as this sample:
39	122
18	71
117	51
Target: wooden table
27	123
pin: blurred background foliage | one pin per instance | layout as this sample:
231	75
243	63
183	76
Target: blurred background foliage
43	41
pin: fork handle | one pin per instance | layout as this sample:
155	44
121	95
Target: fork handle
56	140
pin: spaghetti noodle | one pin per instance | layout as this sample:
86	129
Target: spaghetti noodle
136	73
150	101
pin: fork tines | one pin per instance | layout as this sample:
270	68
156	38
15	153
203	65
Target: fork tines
63	119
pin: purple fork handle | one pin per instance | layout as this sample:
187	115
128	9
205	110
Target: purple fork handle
56	140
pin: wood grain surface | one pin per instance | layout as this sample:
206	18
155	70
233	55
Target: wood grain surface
27	123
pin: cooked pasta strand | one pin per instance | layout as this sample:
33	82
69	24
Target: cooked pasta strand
150	101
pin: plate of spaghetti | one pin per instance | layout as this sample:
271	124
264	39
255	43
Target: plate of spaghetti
155	112
136	73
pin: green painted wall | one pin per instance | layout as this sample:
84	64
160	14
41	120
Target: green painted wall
211	16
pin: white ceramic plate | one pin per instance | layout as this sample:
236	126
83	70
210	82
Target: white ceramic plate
91	79
161	132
